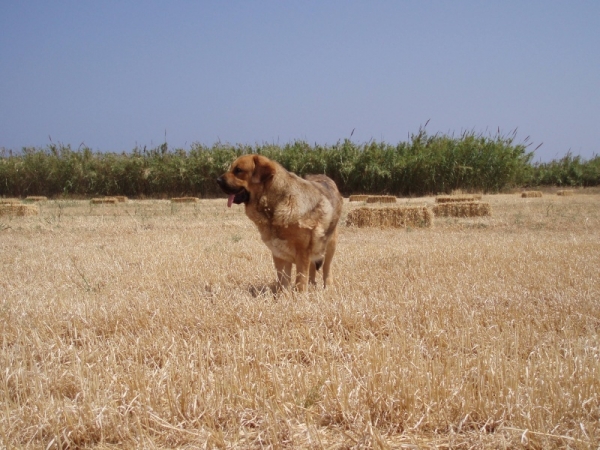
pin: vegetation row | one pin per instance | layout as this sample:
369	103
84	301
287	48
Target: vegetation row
425	164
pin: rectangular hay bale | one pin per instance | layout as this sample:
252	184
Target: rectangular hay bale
565	193
465	209
36	198
120	198
392	217
13	209
455	198
9	201
104	200
381	199
531	194
185	200
358	198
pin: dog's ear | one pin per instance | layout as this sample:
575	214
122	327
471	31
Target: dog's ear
263	169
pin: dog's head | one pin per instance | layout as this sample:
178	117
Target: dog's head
246	176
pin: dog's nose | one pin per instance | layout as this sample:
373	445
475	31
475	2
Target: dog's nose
220	181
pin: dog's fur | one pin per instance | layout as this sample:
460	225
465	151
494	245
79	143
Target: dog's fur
297	218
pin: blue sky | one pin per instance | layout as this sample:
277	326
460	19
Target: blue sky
115	74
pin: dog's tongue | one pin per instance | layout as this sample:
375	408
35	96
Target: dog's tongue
230	200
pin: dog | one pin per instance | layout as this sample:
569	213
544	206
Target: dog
297	217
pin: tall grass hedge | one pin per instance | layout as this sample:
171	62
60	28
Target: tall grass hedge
425	164
568	171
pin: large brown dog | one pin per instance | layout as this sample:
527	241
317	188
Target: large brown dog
297	218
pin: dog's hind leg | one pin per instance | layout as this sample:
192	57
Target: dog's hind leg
329	252
313	273
314	268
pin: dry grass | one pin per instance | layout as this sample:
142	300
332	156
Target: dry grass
185	200
381	199
104	200
14	209
466	209
358	198
461	193
149	326
391	217
565	193
531	194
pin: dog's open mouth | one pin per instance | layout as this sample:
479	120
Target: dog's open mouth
241	197
238	196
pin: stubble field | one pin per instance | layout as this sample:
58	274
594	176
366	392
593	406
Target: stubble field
150	324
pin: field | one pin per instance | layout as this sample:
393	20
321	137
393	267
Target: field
152	324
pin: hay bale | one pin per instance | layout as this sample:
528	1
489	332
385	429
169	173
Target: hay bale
531	194
104	200
465	209
14	209
120	198
381	199
358	198
393	217
36	198
455	198
185	200
9	201
565	193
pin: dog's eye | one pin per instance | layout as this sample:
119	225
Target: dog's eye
237	171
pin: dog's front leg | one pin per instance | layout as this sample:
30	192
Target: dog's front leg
302	271
284	273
